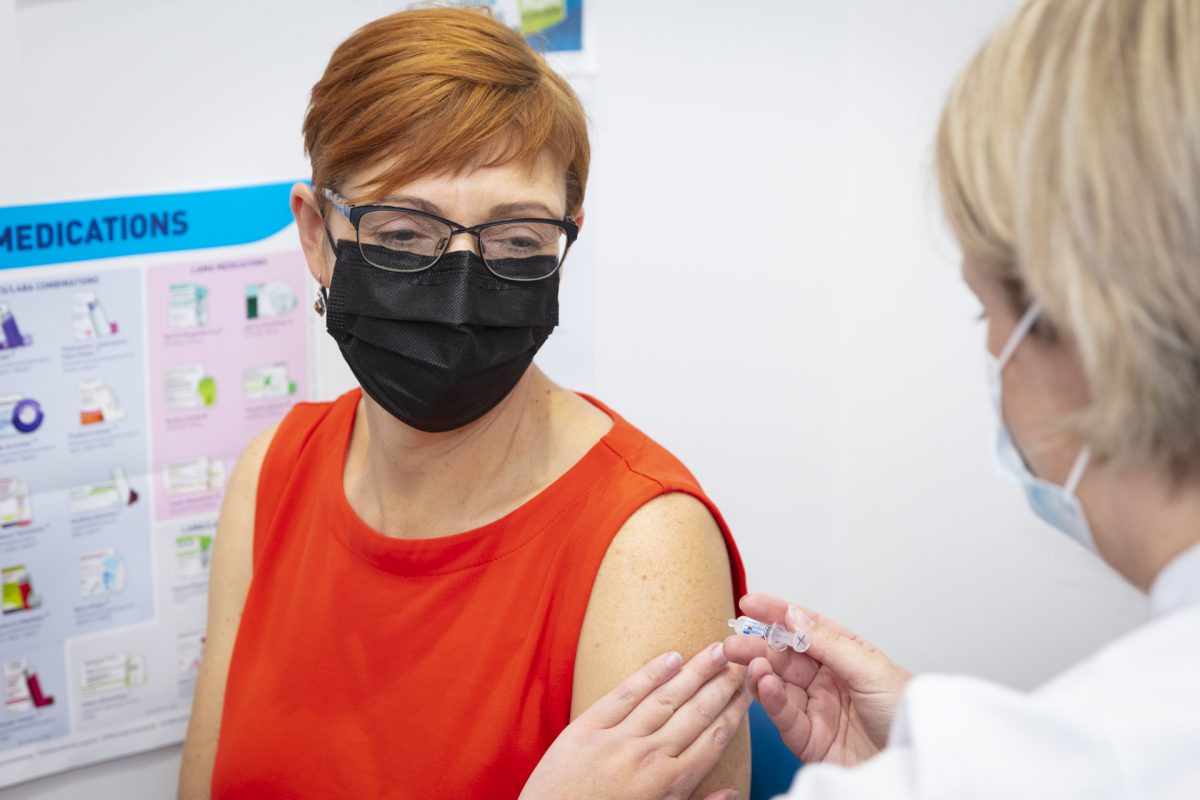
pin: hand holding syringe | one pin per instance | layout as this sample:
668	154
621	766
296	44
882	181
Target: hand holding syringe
777	636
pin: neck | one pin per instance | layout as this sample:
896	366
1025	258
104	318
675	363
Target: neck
413	484
1142	519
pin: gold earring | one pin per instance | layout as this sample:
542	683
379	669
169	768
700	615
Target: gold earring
319	303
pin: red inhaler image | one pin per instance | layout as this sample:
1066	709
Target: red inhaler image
35	691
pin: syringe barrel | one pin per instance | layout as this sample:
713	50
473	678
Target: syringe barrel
777	636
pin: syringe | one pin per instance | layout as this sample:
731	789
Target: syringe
777	636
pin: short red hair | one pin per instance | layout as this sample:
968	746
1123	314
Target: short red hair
435	90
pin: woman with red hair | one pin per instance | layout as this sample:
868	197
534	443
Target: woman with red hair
459	508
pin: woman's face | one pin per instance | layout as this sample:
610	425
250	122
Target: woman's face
469	197
1043	382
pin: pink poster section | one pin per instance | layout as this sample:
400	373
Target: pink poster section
228	358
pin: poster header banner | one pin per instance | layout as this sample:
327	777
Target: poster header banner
60	233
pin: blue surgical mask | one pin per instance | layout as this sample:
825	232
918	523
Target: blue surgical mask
1057	505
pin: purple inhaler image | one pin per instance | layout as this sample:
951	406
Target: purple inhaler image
12	336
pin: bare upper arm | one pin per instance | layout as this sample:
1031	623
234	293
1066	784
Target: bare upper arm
228	582
663	585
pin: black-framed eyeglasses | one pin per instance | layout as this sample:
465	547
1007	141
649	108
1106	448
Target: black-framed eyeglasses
407	240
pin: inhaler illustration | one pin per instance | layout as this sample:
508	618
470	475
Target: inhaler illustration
10	333
19	414
88	320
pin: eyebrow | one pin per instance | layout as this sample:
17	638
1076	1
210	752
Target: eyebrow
409	201
518	209
502	211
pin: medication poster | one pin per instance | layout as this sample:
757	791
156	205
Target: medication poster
556	28
143	342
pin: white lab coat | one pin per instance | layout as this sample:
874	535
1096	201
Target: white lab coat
1124	723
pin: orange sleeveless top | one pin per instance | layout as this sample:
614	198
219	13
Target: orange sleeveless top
372	667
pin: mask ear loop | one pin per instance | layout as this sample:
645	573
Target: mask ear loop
1081	465
1018	335
321	303
1014	341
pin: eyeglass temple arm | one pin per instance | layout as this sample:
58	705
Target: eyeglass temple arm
338	202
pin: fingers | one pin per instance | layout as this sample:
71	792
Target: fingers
742	649
710	741
855	661
764	607
792	667
813	618
757	669
774	697
701	709
851	657
671	695
615	706
785	703
787	706
768	608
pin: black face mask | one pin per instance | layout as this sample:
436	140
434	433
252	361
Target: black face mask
440	348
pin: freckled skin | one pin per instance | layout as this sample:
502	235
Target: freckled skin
663	585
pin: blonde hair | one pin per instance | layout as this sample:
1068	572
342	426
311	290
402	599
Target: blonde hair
1068	158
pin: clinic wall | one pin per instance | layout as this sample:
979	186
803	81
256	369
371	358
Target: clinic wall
779	304
774	297
936	558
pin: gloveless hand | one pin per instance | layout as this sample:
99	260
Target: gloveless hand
834	702
654	737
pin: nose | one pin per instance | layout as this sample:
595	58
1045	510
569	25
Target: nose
466	241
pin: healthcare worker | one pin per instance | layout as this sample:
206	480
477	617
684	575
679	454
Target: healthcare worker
1068	159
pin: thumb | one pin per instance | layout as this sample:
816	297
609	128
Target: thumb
855	661
724	794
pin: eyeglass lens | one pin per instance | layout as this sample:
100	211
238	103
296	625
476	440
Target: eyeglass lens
402	242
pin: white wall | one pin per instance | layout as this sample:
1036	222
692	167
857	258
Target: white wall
774	297
779	304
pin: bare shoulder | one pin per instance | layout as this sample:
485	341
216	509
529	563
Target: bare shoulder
249	463
235	529
674	524
251	459
664	584
577	416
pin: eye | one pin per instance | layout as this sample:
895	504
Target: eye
522	239
522	242
399	235
401	231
